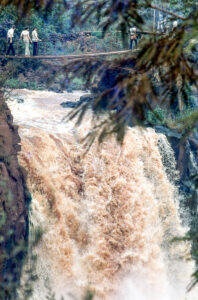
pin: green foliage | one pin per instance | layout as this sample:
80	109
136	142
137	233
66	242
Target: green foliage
89	295
25	8
16	84
97	34
77	84
183	120
157	117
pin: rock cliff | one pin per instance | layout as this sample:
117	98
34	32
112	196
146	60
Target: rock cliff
13	206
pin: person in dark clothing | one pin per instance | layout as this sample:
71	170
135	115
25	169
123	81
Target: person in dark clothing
10	39
35	48
35	40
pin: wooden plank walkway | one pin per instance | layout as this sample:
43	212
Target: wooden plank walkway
73	56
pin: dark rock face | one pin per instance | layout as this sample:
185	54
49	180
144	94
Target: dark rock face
20	100
13	206
88	98
111	76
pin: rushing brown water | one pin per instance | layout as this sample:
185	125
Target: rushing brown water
108	217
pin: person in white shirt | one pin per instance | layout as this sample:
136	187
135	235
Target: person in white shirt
25	36
10	38
175	25
133	37
35	40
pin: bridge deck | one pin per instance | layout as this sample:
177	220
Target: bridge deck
73	56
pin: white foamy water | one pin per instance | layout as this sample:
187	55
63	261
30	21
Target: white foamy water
108	217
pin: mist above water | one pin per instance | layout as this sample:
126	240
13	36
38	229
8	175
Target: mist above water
108	218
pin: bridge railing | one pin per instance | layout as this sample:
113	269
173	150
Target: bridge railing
84	44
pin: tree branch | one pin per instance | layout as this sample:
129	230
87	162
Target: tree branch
167	12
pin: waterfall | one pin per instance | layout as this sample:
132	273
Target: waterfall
108	217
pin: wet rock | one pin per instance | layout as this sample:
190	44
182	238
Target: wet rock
88	98
20	100
13	206
55	88
69	90
68	104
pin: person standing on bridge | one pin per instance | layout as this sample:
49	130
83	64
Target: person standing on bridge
35	40
175	25
133	37
25	36
10	37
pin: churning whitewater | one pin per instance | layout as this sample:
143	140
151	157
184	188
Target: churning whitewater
108	217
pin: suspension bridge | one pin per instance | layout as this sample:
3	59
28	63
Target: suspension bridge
71	57
81	46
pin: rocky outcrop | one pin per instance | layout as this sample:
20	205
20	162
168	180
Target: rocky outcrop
13	206
88	98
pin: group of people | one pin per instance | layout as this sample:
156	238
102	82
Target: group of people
25	37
